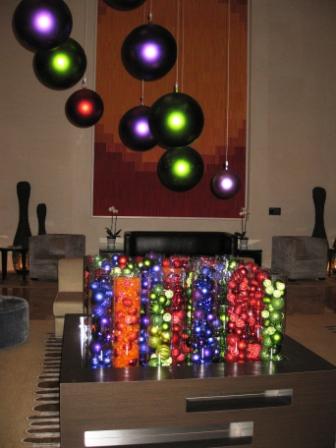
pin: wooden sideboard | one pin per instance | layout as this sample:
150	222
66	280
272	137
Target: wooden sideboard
291	404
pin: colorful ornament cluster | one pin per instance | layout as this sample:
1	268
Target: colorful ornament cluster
59	62
156	311
148	53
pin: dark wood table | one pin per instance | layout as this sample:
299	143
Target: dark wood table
4	256
289	404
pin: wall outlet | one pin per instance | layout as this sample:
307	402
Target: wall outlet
274	211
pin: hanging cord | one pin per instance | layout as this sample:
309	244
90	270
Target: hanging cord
182	45
142	96
177	45
149	20
228	85
142	84
150	13
86	12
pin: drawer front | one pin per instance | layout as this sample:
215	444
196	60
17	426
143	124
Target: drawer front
281	408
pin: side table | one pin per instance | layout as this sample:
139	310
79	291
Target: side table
4	254
256	254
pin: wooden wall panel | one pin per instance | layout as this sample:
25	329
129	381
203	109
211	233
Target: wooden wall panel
128	179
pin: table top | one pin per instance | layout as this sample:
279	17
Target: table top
75	366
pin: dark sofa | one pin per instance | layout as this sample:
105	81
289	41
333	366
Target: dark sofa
186	243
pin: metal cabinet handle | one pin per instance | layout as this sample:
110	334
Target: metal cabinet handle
268	398
211	436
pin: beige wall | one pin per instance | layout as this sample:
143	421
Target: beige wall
291	143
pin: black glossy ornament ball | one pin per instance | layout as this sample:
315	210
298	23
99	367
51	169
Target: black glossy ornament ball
124	5
134	129
180	169
42	24
149	52
176	120
62	66
84	108
225	184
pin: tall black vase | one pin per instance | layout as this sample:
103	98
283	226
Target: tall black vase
23	232
41	211
319	198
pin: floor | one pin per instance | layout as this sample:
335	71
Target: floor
19	366
40	295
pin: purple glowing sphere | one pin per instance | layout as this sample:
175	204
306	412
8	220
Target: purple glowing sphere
42	24
134	130
149	52
225	184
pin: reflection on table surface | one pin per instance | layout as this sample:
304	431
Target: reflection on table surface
76	361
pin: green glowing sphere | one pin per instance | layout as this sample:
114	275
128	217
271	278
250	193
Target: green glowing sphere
60	67
176	120
180	169
60	62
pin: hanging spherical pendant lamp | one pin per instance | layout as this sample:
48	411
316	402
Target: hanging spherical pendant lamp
149	52
84	108
180	169
225	184
124	5
134	130
176	120
42	24
62	66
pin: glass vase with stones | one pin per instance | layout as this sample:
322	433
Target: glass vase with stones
273	317
111	243
243	243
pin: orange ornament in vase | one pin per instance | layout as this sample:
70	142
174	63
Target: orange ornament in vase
126	321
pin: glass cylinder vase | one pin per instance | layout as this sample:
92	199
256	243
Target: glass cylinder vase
111	243
205	321
127	299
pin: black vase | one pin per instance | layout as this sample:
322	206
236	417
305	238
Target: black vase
23	232
319	198
41	211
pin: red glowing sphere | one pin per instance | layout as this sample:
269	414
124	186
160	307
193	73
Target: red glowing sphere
84	108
